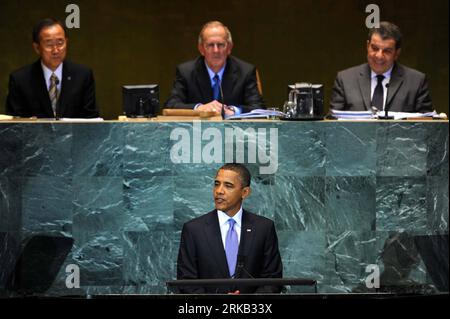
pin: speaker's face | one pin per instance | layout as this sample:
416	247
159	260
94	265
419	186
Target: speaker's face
381	54
228	192
52	46
215	47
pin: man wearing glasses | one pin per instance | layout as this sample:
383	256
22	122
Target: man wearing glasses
52	87
215	81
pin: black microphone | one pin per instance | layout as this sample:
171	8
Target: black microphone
222	112
386	115
56	109
240	267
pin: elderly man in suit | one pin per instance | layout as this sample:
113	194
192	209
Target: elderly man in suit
215	81
51	87
229	242
382	82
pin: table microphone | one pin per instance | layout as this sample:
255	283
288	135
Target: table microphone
56	107
386	116
222	111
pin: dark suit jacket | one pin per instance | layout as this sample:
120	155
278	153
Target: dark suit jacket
193	85
202	255
28	94
407	91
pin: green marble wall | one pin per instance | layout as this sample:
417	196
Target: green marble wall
344	195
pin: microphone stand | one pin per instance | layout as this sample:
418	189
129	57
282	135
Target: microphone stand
386	115
222	110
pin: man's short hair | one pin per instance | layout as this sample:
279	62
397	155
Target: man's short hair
244	174
388	30
45	23
214	24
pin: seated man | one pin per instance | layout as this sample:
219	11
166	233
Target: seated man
51	87
215	81
382	82
229	242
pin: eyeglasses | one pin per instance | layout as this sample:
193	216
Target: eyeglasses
51	44
219	45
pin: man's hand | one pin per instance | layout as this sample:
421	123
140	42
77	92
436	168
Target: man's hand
216	106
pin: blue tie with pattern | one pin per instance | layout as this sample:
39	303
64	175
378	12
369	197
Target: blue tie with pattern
231	247
216	87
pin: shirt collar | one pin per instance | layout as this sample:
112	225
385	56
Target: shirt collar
48	72
223	217
387	74
211	72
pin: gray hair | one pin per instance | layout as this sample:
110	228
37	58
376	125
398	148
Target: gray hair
211	24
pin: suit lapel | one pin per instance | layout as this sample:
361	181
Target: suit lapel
214	239
203	81
65	84
364	85
247	235
40	88
229	79
394	84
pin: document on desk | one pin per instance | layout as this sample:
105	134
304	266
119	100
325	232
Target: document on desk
67	119
352	115
257	113
4	117
404	115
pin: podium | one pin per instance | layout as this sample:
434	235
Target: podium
241	282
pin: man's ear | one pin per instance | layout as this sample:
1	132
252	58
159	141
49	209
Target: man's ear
201	49
229	48
397	53
246	191
36	48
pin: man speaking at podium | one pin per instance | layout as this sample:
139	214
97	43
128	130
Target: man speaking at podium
229	242
215	81
51	87
382	82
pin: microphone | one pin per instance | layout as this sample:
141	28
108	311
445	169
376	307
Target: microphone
222	110
386	108
240	267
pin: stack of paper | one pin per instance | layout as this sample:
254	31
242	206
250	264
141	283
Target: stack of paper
95	119
257	113
404	115
352	115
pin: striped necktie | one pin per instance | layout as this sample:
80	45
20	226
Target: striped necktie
53	91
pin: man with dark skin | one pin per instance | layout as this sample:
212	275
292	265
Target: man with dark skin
206	250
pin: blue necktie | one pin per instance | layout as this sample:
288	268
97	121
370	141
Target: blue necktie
231	247
216	87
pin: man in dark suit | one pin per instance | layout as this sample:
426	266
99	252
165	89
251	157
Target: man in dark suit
51	87
216	81
229	242
382	82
